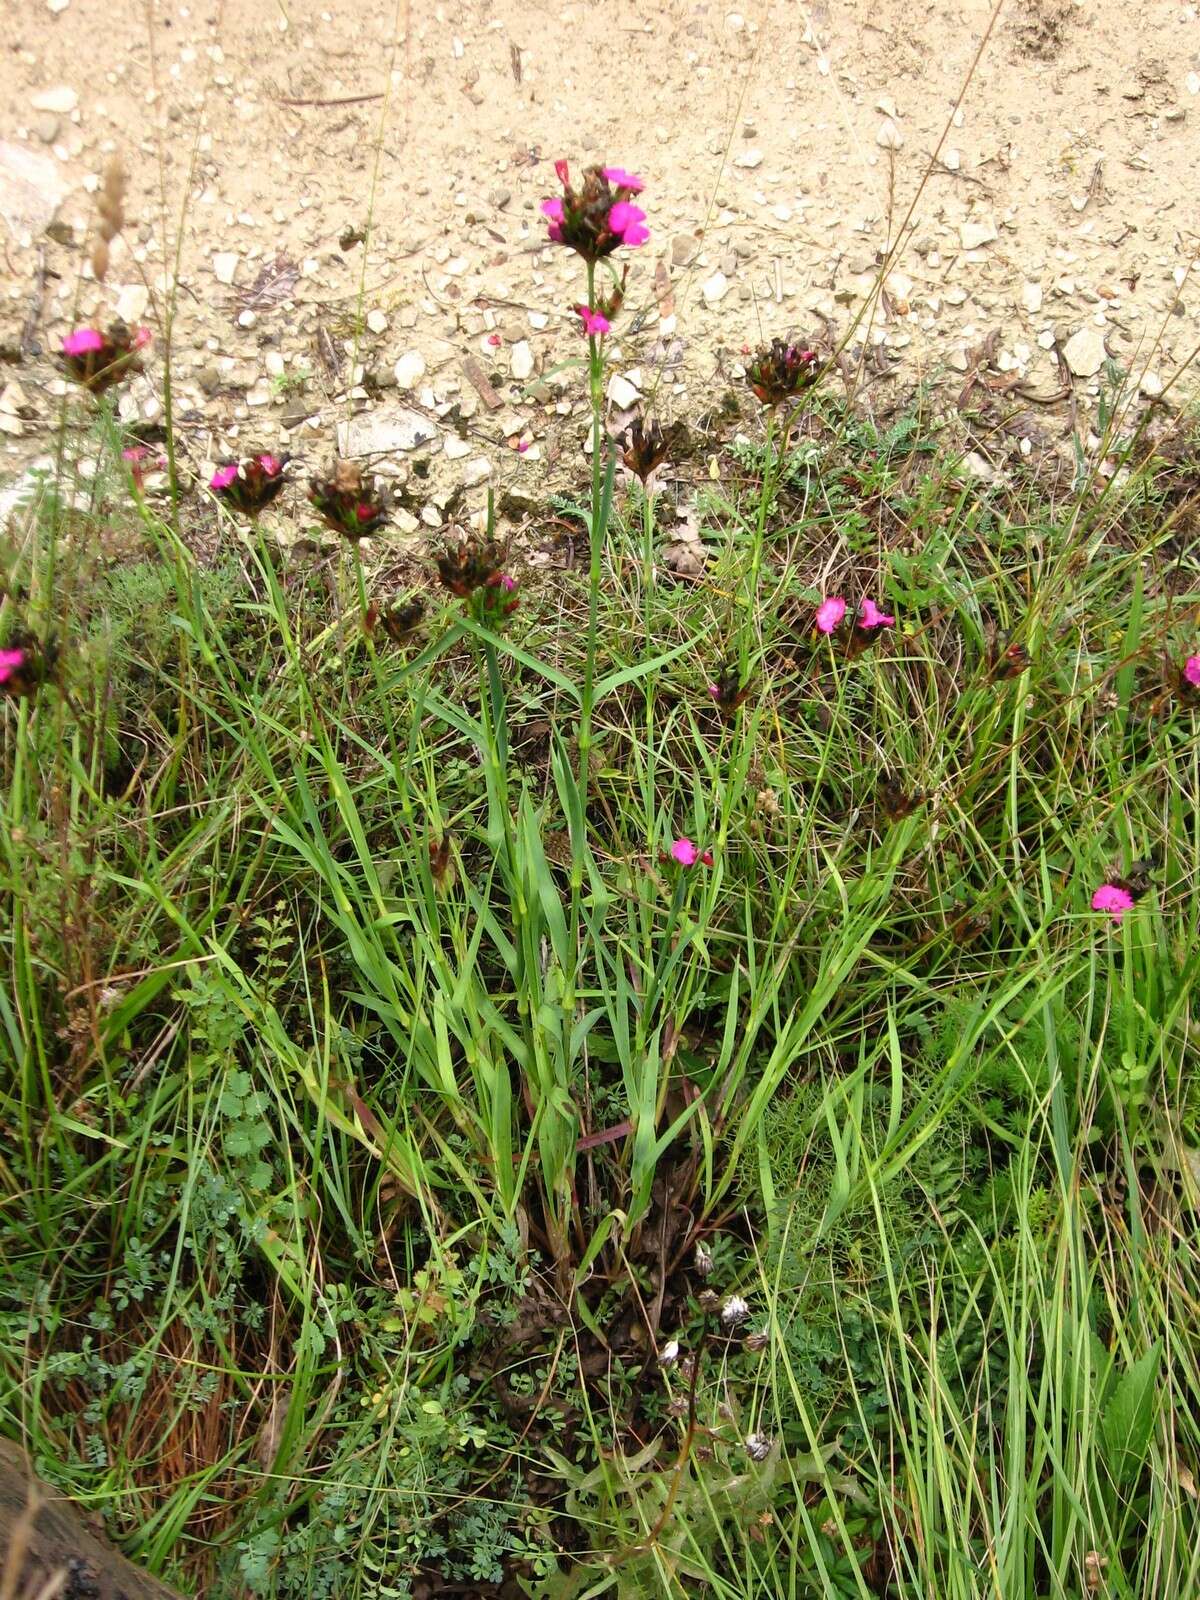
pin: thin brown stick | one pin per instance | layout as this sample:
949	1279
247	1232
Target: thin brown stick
344	100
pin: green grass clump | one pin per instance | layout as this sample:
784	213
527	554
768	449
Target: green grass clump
374	1074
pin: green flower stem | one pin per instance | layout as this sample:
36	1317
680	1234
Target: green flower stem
756	550
595	542
647	559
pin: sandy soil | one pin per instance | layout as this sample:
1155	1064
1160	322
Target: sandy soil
785	150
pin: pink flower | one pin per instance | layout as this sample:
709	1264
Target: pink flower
507	583
140	461
523	445
83	342
687	855
562	172
141	338
595	323
494	340
829	613
628	223
1191	671
224	476
870	616
714	689
10	661
620	179
1112	898
553	210
270	464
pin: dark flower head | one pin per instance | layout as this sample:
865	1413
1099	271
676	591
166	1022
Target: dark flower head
399	619
23	665
643	447
472	571
600	217
441	861
728	690
468	566
1012	661
497	598
779	371
896	802
249	485
1117	895
870	623
346	504
98	360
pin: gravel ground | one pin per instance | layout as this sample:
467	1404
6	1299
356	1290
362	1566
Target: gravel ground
348	199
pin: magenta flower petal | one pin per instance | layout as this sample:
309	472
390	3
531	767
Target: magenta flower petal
553	208
685	852
620	179
82	342
562	172
1191	671
870	616
627	221
224	476
1112	898
830	612
10	661
271	465
595	323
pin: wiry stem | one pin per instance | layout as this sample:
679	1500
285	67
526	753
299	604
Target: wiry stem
595	536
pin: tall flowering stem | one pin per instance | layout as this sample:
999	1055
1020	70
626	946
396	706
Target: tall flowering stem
779	374
595	219
597	529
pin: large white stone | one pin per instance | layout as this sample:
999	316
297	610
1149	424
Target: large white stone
379	432
520	361
31	189
715	289
974	234
410	369
622	393
60	98
1084	352
132	302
